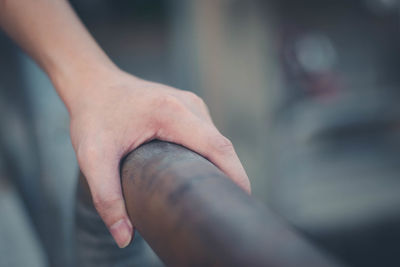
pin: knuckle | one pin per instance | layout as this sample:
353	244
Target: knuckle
94	148
223	145
194	98
105	204
170	103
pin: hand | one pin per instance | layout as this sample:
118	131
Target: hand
111	112
123	112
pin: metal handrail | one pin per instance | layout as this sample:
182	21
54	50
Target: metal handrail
191	214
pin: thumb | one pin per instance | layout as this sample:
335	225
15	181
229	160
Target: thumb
105	187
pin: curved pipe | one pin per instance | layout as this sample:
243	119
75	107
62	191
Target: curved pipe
191	214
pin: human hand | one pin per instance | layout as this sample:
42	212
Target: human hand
123	112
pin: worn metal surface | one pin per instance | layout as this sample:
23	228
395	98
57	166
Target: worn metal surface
191	214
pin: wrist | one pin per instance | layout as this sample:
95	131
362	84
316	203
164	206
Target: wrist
81	83
68	71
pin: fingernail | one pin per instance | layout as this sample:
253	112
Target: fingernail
122	232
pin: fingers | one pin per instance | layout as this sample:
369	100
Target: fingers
204	138
103	178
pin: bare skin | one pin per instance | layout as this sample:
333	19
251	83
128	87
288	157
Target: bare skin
111	112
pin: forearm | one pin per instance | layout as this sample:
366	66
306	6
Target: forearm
51	33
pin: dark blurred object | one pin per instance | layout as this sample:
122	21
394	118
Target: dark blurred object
338	126
191	214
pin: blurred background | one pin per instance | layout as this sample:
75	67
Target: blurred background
306	90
